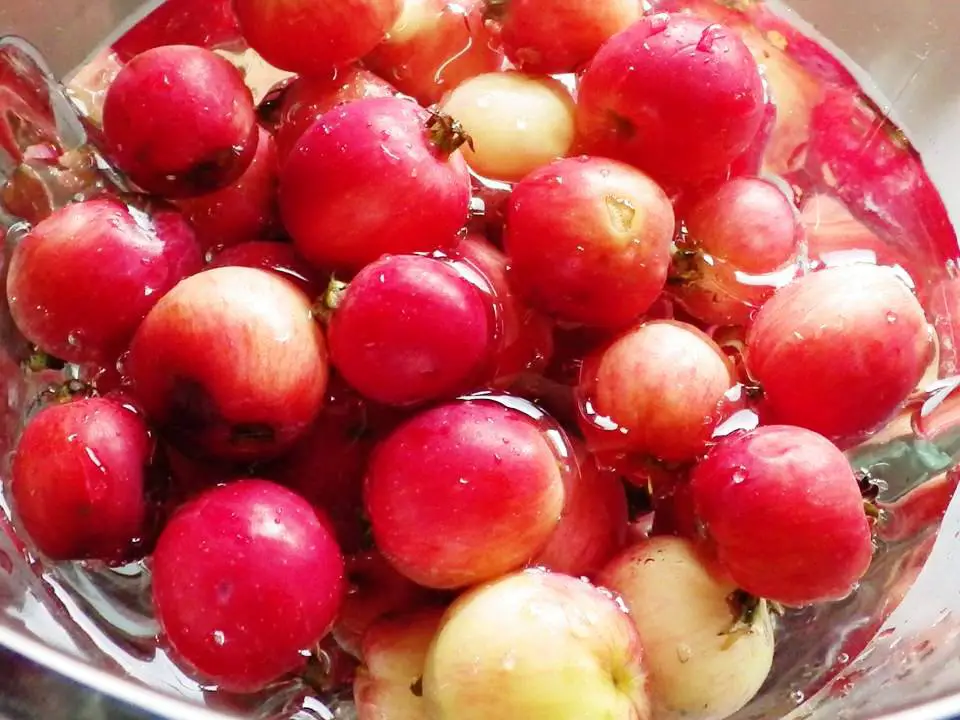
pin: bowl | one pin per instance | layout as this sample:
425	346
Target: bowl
81	635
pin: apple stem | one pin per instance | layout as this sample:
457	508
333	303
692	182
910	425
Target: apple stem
446	133
872	510
332	298
748	611
683	267
319	670
753	390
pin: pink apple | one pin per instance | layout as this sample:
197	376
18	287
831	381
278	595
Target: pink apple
374	590
537	646
699	669
389	685
593	526
464	492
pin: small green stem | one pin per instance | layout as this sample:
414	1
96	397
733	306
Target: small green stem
331	299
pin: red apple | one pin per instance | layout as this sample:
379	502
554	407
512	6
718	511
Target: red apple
244	210
662	384
781	510
308	98
839	350
230	364
326	467
593	525
374	590
435	46
676	95
210	24
464	492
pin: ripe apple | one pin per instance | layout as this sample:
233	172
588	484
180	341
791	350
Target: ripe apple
700	667
389	685
375	590
538	646
464	492
593	526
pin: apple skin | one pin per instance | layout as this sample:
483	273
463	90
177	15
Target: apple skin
435	46
663	383
593	526
589	241
676	96
374	591
781	510
464	492
389	685
538	646
698	671
839	350
245	576
230	364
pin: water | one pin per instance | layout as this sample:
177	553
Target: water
854	207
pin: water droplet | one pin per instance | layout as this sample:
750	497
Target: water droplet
389	153
684	652
73	339
797	696
509	662
464	481
219	638
739	475
891	317
95	460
